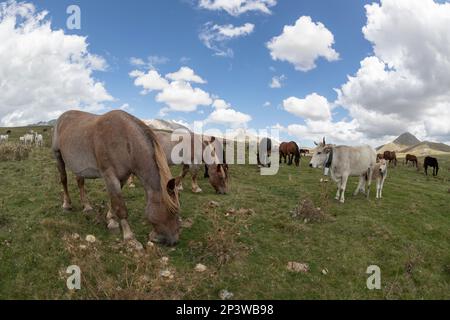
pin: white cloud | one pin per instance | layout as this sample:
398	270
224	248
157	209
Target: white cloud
238	7
345	132
215	37
181	96
221	104
314	107
150	63
150	81
44	72
302	44
229	117
185	74
404	85
277	82
267	104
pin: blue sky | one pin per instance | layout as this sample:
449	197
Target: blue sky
118	31
170	30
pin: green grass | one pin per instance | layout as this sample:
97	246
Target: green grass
406	234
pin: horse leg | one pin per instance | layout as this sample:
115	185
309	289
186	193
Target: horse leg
359	188
183	174
206	176
343	187
67	203
338	194
119	209
84	199
194	173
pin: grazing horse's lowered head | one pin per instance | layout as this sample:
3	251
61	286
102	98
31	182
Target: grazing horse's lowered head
218	177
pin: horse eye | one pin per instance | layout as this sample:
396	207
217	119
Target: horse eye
319	153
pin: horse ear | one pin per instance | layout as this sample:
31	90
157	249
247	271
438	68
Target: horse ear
171	186
324	143
316	143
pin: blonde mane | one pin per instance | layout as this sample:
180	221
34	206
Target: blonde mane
163	168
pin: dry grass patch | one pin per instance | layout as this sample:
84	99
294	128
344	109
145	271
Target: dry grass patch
14	152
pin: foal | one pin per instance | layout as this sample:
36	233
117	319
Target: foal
380	174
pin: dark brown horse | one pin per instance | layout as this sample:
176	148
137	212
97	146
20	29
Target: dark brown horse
291	152
412	158
390	156
113	147
304	152
431	162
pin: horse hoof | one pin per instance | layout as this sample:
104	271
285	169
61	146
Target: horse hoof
67	208
342	201
197	190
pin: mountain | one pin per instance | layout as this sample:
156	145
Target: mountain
406	139
408	143
164	125
50	123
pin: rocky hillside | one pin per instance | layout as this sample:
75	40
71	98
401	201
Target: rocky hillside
408	143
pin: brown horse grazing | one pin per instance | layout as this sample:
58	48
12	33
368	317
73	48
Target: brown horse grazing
291	151
390	156
413	159
217	171
114	146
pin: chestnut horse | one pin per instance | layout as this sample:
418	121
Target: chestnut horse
413	159
291	151
390	156
217	171
114	146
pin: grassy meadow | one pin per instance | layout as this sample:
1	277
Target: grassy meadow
407	234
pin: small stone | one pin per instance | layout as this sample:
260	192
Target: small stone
90	238
298	267
75	236
213	204
325	271
83	247
166	274
226	295
165	260
200	268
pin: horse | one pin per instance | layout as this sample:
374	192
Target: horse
390	156
413	159
112	147
28	139
39	140
431	162
291	151
4	138
217	170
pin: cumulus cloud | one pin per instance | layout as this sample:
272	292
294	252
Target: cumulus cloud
181	96
215	37
277	82
238	7
150	81
44	72
303	43
341	132
221	104
229	117
150	63
185	74
404	84
314	107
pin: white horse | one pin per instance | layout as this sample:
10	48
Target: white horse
4	138
39	140
28	139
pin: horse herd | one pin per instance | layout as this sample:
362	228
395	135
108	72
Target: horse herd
429	162
29	139
117	146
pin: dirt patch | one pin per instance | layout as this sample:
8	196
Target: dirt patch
308	212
